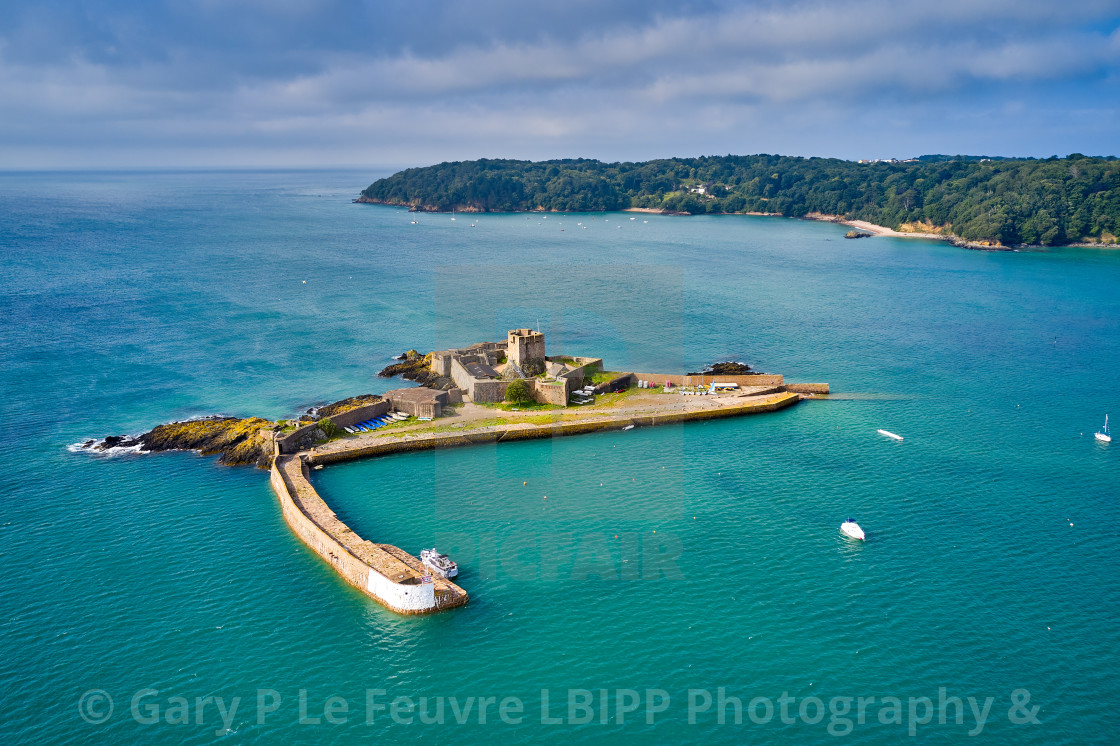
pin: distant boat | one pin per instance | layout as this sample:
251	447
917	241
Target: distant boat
1104	436
628	427
890	434
851	529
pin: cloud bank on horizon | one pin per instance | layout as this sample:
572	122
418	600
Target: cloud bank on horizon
98	83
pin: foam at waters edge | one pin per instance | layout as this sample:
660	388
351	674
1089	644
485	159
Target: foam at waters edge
92	447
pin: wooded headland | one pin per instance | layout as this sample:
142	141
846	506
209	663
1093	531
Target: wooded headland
1007	202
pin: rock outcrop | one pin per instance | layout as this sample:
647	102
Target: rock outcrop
417	367
343	406
237	440
729	368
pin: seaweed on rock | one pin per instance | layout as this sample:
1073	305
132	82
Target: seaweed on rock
237	440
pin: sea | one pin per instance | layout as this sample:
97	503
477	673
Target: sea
680	584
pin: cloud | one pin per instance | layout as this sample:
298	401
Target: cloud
256	77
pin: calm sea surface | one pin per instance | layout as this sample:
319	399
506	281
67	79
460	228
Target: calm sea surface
661	561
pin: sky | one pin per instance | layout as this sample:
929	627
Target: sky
389	84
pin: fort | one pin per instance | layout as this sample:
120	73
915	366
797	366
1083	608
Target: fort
483	371
569	396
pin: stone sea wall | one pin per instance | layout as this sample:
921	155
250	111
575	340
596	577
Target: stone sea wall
807	388
698	380
338	452
304	437
387	574
361	414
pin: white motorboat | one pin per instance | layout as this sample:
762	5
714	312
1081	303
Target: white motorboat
851	529
628	427
889	434
440	564
1104	436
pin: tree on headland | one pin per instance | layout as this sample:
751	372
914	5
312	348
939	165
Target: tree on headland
328	427
518	392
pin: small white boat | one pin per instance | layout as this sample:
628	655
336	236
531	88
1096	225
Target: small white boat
1104	436
890	434
440	564
851	529
628	427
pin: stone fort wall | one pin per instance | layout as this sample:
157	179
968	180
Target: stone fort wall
303	437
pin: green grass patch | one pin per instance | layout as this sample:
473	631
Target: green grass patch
602	376
541	419
611	400
507	406
455	427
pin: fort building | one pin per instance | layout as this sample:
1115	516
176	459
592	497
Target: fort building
525	349
419	402
483	371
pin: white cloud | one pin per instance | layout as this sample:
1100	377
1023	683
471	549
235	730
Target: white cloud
696	77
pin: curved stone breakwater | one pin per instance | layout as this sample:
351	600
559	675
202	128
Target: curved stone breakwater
384	572
389	574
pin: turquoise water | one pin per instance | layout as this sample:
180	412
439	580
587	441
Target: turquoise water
662	561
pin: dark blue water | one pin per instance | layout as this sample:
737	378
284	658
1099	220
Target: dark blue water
662	561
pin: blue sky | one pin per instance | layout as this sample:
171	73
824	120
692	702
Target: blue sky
390	84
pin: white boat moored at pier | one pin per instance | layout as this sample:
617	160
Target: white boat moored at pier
851	529
440	564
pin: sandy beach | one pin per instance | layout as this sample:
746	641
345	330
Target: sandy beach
880	230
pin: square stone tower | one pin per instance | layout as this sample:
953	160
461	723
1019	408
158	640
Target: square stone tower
525	348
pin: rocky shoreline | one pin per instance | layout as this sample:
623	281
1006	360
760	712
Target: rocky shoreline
237	440
867	230
417	367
